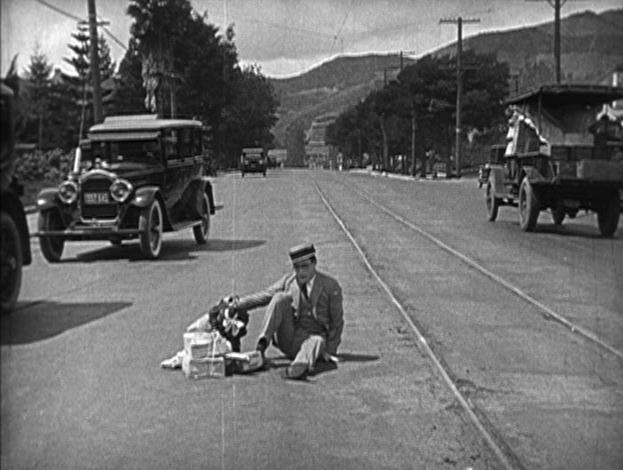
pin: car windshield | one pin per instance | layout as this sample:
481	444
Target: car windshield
127	151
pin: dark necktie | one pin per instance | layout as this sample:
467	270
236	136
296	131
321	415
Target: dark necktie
303	288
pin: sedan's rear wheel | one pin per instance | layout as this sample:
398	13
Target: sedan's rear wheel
11	263
52	246
151	227
202	231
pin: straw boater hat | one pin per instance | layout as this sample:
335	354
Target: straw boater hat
302	252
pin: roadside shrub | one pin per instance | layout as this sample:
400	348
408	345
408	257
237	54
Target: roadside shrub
49	166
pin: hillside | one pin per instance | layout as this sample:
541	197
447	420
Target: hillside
591	47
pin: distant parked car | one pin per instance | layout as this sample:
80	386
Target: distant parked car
253	160
134	177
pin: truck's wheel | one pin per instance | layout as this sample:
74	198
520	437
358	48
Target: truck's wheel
201	231
51	247
608	217
528	206
11	263
151	226
493	203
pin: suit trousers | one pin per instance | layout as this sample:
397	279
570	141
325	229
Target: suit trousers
299	341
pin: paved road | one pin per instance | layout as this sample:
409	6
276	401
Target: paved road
81	387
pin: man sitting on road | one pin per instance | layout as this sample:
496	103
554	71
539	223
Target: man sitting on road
304	316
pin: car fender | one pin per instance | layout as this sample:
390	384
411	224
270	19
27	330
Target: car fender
496	176
207	188
48	199
144	196
12	205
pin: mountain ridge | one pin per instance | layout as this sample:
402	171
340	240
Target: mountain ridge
590	50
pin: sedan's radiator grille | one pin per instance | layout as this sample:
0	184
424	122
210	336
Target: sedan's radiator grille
96	208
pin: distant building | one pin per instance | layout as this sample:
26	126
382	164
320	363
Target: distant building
318	154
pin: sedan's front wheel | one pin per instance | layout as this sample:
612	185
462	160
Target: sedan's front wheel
52	246
151	227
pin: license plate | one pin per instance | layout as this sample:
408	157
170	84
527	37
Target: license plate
96	198
571	204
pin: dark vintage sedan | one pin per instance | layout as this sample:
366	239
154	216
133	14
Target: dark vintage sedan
134	177
253	160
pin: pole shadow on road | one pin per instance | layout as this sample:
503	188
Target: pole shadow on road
172	250
47	319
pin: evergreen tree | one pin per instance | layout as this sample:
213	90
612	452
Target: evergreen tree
38	75
129	91
79	91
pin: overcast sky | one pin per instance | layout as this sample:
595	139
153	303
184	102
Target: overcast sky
285	37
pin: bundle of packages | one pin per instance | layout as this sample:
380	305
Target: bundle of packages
204	354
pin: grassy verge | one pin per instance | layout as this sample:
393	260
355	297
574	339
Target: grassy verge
32	188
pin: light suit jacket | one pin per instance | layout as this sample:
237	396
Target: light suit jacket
325	299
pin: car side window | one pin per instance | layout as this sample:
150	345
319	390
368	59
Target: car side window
171	138
186	148
196	143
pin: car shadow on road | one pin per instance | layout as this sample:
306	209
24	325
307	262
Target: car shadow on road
570	230
42	320
172	250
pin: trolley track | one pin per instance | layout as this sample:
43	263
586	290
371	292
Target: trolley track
490	434
499	280
501	450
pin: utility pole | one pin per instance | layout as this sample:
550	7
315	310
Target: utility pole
557	4
459	84
95	64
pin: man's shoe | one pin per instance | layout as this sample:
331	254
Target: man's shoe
295	372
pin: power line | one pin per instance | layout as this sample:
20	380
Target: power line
114	38
341	26
58	10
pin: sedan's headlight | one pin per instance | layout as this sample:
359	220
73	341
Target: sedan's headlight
120	190
68	192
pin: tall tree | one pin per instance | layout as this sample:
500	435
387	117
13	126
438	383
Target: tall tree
247	120
80	91
39	74
158	27
129	91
